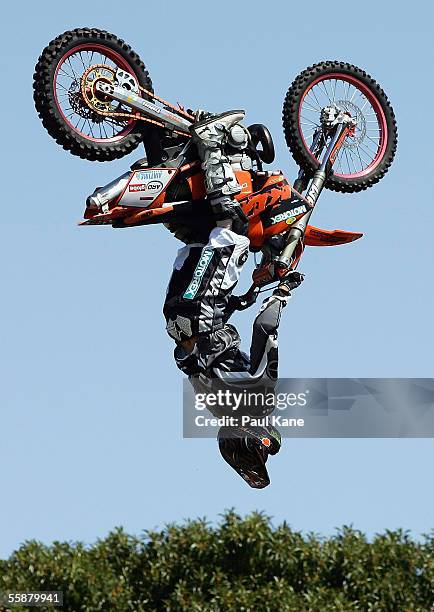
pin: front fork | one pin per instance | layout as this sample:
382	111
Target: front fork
297	231
270	271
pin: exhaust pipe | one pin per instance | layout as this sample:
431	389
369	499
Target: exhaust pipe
102	197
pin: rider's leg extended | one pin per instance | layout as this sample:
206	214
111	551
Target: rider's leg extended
202	281
263	360
211	136
215	362
246	447
263	347
217	354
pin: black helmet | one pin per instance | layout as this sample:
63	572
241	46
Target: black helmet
246	449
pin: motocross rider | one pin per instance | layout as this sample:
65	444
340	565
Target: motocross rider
199	298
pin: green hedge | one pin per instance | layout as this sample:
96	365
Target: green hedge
243	564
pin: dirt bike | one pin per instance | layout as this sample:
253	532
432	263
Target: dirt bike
95	98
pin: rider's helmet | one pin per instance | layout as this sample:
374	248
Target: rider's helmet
246	449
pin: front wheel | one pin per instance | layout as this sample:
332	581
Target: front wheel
69	104
367	154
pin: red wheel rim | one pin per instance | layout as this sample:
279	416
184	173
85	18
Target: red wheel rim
371	152
104	52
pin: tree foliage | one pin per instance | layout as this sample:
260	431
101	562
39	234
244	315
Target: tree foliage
241	565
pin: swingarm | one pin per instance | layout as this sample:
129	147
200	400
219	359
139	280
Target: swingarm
126	92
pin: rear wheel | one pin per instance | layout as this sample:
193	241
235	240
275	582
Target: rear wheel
366	155
69	105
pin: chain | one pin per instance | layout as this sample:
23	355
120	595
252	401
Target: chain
178	109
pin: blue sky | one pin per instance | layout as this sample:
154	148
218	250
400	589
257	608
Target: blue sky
90	416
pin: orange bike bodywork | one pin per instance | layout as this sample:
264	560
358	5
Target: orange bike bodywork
267	200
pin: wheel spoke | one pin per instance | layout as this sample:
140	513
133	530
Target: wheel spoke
318	108
348	163
366	152
372	140
73	72
314	95
66	73
352	161
310	121
368	145
84	65
354	93
326	93
367	101
90	126
311	108
360	159
334	92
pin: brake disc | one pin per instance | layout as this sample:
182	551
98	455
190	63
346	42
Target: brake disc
357	114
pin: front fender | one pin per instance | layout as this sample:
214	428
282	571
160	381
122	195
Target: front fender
314	236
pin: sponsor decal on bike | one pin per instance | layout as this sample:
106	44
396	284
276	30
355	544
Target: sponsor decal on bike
313	194
200	270
141	187
289	215
148	175
153	186
151	106
146	186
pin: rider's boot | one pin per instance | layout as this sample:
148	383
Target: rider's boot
210	136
